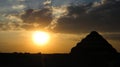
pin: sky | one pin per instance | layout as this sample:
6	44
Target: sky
67	22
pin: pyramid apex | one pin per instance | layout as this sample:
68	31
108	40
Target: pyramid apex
94	33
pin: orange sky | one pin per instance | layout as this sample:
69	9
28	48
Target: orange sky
23	42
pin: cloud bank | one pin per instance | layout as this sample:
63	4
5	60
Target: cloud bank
100	16
68	17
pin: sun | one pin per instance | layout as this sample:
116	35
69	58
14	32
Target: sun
40	37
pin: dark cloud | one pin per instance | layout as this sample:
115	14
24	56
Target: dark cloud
36	14
43	17
103	17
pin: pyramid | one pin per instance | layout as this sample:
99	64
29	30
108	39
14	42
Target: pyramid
94	43
94	51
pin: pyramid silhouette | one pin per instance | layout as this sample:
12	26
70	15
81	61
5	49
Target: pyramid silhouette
93	51
94	42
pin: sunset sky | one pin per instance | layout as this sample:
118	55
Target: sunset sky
65	21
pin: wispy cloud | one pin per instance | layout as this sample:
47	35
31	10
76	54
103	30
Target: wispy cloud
10	22
18	7
57	12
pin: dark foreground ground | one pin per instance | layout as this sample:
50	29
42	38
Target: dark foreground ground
50	60
33	60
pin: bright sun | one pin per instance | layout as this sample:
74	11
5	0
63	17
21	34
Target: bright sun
40	38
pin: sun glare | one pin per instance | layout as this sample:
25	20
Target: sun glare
40	38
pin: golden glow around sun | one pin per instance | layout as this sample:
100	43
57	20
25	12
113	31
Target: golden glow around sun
40	38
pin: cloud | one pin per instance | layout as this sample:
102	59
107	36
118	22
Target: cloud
46	17
112	36
11	6
57	12
107	1
59	17
42	17
10	22
61	2
38	15
47	2
18	7
13	18
103	17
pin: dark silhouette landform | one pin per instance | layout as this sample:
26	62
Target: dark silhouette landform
92	51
